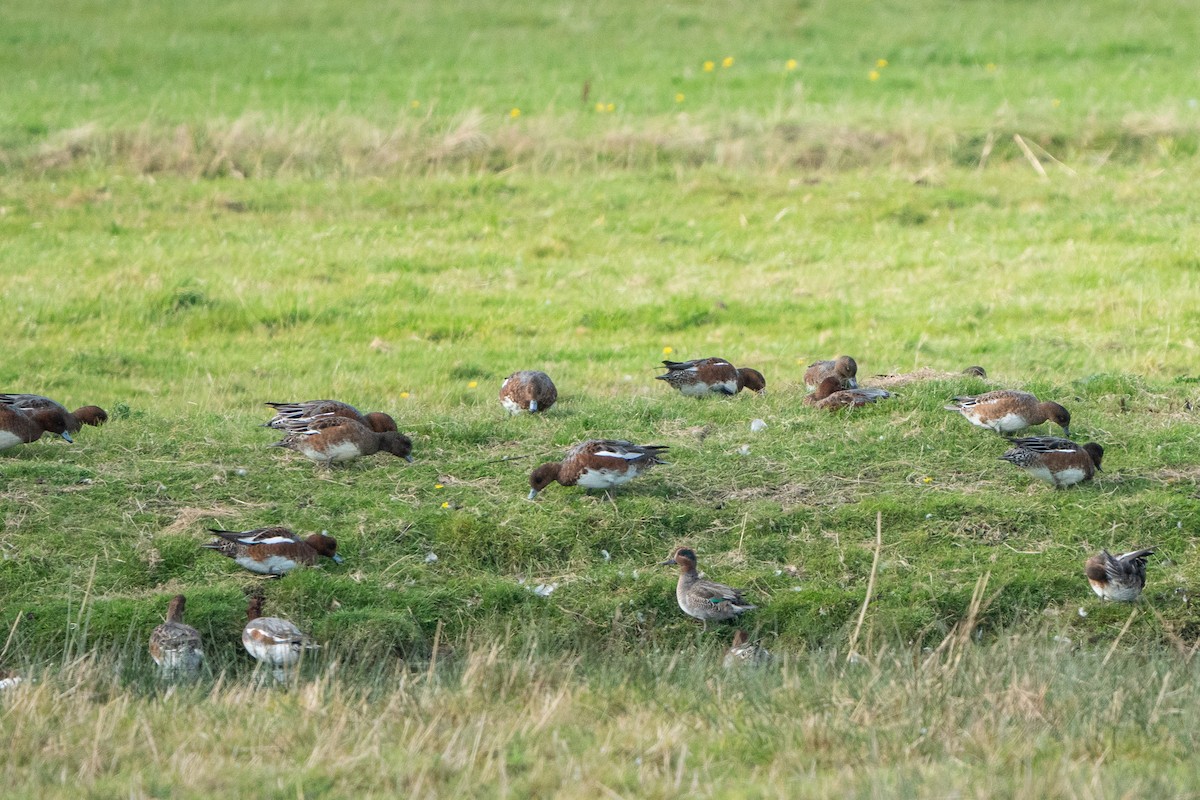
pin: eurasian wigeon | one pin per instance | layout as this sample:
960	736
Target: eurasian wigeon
328	439
705	376
174	646
273	551
1120	578
1059	462
830	397
18	427
701	598
597	464
1008	411
44	408
287	415
844	368
527	390
273	642
744	652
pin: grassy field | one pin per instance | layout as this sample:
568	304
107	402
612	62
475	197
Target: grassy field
202	209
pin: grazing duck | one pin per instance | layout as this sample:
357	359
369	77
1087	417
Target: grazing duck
274	642
745	652
1121	578
43	408
9	680
1056	461
287	415
702	598
331	438
844	368
1008	411
705	376
17	427
273	551
176	647
597	464
830	397
528	390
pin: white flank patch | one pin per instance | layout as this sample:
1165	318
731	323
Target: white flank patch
626	456
694	389
511	405
1041	473
605	478
1009	423
274	565
1069	477
8	440
340	452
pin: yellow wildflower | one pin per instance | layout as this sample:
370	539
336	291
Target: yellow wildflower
611	107
791	64
990	67
472	384
415	104
873	75
1056	102
881	63
404	395
679	97
446	504
599	108
438	486
727	62
668	350
516	112
708	66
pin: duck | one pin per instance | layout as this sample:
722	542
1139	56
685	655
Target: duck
1120	578
704	376
331	438
528	390
830	397
288	414
1059	462
844	368
17	427
745	652
704	599
175	647
597	464
272	641
1007	411
273	551
43	408
10	679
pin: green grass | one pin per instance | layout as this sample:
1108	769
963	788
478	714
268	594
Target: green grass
202	209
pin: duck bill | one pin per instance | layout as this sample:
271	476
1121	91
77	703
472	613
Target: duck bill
409	458
533	493
1067	433
670	562
337	559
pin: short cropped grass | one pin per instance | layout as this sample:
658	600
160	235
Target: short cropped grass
397	205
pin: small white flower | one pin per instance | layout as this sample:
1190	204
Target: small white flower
757	425
430	558
1082	613
241	473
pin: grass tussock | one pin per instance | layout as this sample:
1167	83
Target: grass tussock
1034	712
257	147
